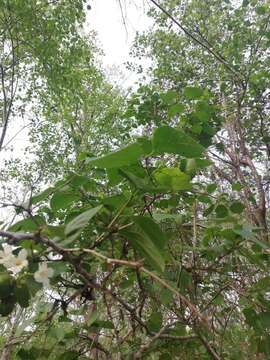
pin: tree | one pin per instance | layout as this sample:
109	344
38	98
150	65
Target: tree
154	245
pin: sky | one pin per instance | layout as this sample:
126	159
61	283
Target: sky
116	26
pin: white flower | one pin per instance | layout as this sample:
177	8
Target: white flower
43	274
6	256
19	262
12	262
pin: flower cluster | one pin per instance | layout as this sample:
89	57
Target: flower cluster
17	263
12	262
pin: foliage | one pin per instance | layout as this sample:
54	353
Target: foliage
153	245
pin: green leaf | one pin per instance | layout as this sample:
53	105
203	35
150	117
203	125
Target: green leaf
155	321
208	210
26	354
59	267
261	10
193	93
166	296
113	176
138	182
221	211
62	200
22	294
172	179
93	317
32	285
159	217
150	241
152	230
42	196
146	248
68	355
264	319
76	225
28	224
123	157
237	207
169	96
211	188
203	163
146	144
7	283
236	186
7	305
115	201
176	109
172	141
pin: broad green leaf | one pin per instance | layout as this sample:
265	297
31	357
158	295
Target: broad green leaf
208	210
68	355
236	186
123	157
159	217
32	353
169	97
237	207
7	305
176	109
22	294
28	224
211	188
221	211
152	230
261	10
115	201
155	321
264	319
24	354
172	141
172	179
138	182
7	284
75	226
77	181
193	93
113	176
55	232
203	163
42	196
93	317
146	145
101	324
166	296
62	200
146	248
32	285
59	267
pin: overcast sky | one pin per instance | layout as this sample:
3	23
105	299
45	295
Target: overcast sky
116	27
107	18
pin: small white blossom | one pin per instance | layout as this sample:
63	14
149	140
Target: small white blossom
6	256
12	262
20	261
43	274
